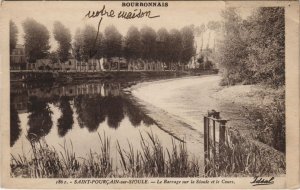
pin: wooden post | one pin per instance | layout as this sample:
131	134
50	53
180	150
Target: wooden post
205	135
208	138
222	133
214	137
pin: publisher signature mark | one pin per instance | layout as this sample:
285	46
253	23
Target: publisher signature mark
262	181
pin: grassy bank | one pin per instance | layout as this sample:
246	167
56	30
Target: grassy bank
153	160
240	157
237	158
257	110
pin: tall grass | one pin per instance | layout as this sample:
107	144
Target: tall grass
240	157
270	122
154	161
236	157
150	161
43	162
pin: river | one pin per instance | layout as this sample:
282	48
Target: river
77	113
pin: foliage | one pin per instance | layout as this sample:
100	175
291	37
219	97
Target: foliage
150	161
241	157
159	48
53	56
63	36
13	35
188	49
112	42
36	40
163	46
87	43
176	44
270	122
132	48
267	54
252	50
148	41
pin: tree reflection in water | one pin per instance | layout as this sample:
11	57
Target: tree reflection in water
134	114
15	129
65	122
39	119
93	103
90	111
114	110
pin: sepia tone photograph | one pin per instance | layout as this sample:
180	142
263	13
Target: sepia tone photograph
150	89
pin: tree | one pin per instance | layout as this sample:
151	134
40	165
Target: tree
148	40
88	47
132	43
232	51
13	35
188	49
201	30
87	44
78	45
112	42
176	44
53	56
36	40
266	45
253	50
63	36
213	26
163	41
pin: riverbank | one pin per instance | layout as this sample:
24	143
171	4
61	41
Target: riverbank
65	76
257	111
187	100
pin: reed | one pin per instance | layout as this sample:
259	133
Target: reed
150	161
241	157
237	157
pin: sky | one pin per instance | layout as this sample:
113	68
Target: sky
72	14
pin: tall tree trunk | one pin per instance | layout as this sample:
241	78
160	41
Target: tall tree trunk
214	44
207	45
201	42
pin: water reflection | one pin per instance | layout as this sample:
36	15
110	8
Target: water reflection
39	119
15	129
65	122
90	104
90	111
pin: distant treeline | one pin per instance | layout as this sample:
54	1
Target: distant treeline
253	50
173	46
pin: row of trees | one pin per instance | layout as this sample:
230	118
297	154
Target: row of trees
253	50
174	46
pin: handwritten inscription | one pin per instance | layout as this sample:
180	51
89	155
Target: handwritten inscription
261	181
102	12
136	13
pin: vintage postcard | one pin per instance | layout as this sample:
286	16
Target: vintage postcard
149	94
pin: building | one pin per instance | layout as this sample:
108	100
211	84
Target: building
18	58
40	64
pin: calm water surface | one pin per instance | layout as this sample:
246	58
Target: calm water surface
77	113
